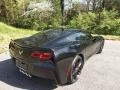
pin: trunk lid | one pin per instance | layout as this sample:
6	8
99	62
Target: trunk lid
22	51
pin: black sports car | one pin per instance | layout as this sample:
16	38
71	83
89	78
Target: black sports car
55	54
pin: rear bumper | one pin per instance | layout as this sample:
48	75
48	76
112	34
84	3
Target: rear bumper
41	69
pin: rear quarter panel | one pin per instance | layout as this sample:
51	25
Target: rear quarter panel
63	59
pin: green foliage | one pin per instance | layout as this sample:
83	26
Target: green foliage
106	22
84	21
40	18
38	22
11	10
109	23
110	4
18	13
7	33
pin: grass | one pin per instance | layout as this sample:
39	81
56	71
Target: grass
7	33
2	50
109	37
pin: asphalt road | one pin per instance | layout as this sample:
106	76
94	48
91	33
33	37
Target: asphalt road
101	72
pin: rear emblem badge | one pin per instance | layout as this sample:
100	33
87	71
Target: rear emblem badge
20	52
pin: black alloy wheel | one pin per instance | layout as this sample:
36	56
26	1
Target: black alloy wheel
76	68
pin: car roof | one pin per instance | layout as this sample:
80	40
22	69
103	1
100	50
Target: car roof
64	31
42	38
62	34
68	30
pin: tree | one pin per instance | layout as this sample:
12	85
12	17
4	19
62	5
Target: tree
93	5
12	9
110	4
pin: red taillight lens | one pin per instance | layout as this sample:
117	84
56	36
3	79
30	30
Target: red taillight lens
45	56
42	55
35	54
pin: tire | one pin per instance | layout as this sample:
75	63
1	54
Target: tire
76	69
101	48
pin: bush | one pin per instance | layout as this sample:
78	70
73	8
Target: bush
38	20
10	10
30	14
85	21
106	22
109	23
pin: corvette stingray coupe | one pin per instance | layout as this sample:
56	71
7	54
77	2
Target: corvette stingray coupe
55	54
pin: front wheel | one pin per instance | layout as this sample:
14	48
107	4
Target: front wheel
76	68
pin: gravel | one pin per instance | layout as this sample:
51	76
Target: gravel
101	72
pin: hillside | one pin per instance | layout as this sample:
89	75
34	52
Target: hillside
8	32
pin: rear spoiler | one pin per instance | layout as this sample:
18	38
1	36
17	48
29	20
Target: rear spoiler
15	43
30	47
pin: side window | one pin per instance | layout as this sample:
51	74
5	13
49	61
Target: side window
76	37
83	36
71	38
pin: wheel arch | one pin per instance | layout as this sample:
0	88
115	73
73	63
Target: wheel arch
65	64
82	59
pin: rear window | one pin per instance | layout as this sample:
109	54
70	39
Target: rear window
51	34
48	35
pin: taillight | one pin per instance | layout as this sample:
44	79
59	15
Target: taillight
45	56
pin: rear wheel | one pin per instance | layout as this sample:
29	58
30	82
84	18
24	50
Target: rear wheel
76	68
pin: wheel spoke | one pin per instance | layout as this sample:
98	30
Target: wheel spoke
76	70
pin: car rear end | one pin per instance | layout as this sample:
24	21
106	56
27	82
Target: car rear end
34	61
